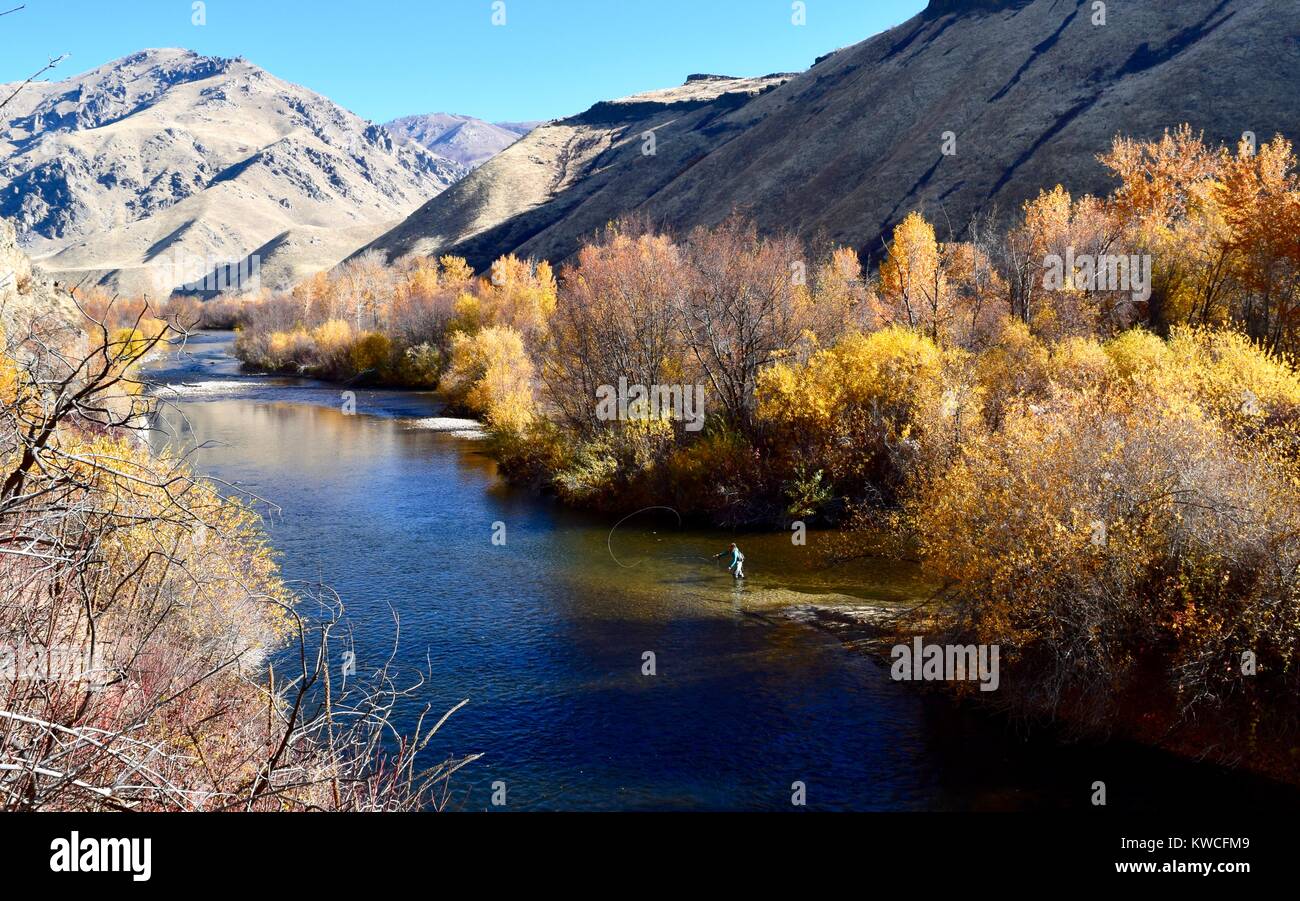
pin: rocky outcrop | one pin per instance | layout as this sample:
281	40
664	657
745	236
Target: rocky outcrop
31	303
961	7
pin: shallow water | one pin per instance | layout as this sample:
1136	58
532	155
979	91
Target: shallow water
545	635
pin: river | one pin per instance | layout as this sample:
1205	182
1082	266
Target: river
546	634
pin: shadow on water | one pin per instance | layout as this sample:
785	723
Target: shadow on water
547	635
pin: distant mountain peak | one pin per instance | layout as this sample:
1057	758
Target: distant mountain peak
469	141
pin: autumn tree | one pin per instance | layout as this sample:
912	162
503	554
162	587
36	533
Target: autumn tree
1260	200
912	278
365	285
619	316
519	294
490	373
837	298
740	310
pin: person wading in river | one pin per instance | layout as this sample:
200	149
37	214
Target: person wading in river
737	562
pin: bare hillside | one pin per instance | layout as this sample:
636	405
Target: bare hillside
1030	90
564	179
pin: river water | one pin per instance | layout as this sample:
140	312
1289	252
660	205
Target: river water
547	633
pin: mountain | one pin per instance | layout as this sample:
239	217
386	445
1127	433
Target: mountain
568	178
151	171
1031	90
519	128
466	140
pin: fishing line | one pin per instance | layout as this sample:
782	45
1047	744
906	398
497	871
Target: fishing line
609	542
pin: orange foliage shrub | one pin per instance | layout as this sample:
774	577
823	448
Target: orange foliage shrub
1131	526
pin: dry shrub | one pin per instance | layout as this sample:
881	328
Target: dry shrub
865	407
139	608
391	324
370	355
1120	539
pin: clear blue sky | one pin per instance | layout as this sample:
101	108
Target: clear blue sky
386	58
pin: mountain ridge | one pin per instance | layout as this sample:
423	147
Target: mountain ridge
1029	90
526	188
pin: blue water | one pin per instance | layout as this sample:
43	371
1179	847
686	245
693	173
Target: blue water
545	635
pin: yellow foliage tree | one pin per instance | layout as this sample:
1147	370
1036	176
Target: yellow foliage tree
491	374
912	278
519	294
864	405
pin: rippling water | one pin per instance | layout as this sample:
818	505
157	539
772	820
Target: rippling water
395	509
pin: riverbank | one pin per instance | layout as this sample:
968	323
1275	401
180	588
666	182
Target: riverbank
872	630
1037	472
1105	484
579	623
546	633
